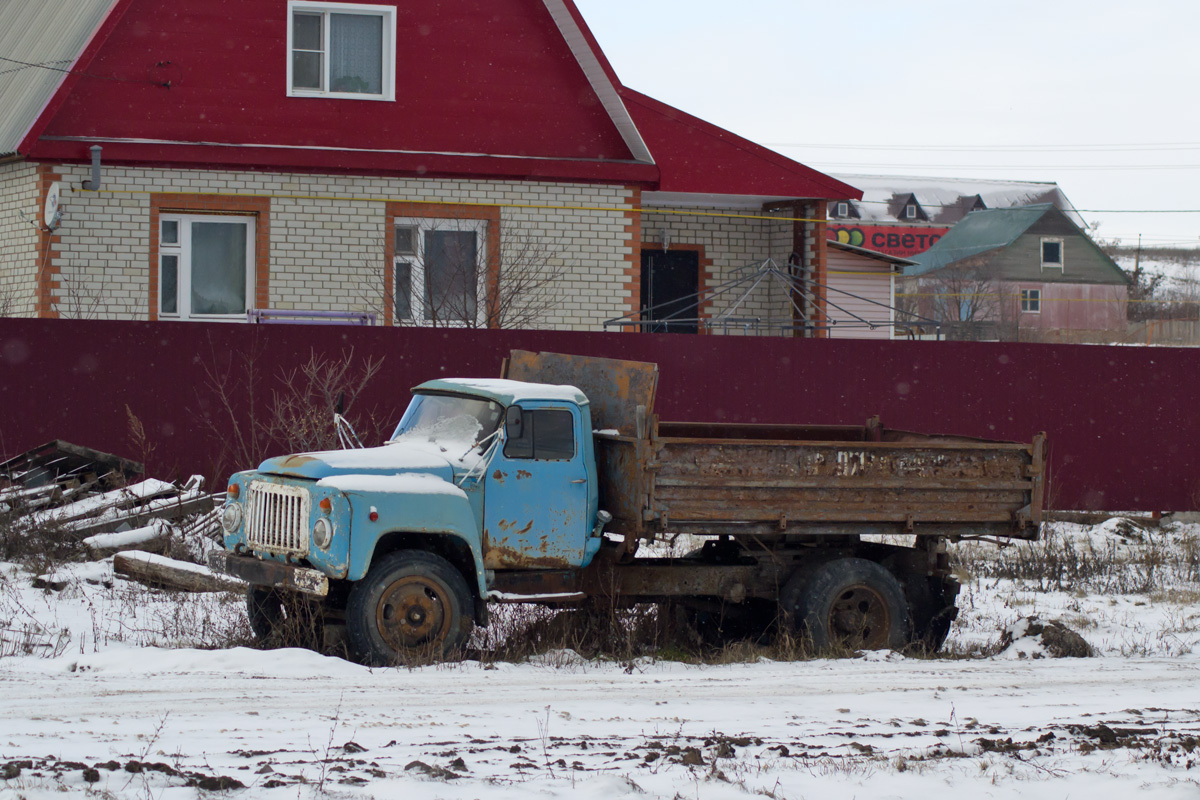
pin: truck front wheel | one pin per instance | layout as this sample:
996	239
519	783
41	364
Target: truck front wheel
411	605
847	604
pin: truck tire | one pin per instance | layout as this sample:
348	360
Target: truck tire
411	605
283	619
847	604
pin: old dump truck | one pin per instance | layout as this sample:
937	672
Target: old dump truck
542	487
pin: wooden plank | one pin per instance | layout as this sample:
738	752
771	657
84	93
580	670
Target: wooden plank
161	572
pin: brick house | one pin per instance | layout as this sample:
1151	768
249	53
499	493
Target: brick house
429	162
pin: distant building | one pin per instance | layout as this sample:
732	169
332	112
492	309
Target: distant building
861	297
1007	272
903	216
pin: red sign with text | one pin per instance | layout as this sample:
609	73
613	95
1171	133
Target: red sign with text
898	241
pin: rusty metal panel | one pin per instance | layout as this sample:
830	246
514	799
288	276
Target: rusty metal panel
614	387
625	483
719	484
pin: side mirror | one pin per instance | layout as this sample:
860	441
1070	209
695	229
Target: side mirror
514	424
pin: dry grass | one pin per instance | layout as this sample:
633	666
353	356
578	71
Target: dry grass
1132	561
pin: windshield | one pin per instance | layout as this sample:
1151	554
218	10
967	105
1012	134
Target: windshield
431	414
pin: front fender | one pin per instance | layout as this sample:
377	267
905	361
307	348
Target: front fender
446	514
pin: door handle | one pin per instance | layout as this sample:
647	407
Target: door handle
581	480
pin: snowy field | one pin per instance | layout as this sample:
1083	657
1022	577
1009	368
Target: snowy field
107	694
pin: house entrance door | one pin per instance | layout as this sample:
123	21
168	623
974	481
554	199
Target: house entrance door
670	281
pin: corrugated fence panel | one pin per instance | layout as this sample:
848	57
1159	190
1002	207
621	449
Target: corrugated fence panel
1122	421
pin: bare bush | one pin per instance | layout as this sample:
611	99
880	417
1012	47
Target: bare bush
300	414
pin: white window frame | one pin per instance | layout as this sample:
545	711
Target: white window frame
910	211
1031	301
843	210
182	250
421	225
1062	253
388	13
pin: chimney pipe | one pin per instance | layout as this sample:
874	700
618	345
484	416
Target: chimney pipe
94	184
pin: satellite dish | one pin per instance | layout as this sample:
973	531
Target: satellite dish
52	213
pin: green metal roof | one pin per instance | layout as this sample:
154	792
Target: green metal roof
979	232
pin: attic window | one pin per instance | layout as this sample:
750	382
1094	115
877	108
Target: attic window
910	211
1052	253
341	50
843	210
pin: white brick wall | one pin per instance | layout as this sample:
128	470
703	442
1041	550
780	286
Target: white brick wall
327	235
18	238
737	246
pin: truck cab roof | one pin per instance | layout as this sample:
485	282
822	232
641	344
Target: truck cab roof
503	391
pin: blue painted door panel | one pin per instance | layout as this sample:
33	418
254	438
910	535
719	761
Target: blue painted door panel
536	506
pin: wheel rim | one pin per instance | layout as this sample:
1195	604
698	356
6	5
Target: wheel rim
860	619
413	611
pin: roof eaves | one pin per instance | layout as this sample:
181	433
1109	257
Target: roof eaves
599	73
875	254
834	187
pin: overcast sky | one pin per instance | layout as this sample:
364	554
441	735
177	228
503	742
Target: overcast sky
1097	96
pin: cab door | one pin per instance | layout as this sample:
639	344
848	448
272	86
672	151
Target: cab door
536	496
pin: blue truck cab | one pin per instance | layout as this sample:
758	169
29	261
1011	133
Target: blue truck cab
480	478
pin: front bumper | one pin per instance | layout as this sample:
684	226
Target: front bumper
269	573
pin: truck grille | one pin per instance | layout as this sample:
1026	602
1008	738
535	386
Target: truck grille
277	518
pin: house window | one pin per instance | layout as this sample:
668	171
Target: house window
341	50
439	269
910	211
1052	253
1031	301
205	266
843	209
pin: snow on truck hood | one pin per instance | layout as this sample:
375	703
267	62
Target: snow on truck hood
447	447
395	458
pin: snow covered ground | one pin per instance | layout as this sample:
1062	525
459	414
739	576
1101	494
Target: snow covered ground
113	699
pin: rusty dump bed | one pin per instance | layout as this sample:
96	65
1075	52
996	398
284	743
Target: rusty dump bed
842	480
779	480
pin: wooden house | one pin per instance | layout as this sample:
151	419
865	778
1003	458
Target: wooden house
1019	270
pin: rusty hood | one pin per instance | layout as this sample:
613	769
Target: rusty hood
396	458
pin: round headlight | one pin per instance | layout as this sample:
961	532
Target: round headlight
322	533
231	517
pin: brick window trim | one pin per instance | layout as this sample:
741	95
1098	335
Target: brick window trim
633	256
442	211
49	273
227	205
704	267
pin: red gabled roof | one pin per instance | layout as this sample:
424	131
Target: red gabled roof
697	157
486	88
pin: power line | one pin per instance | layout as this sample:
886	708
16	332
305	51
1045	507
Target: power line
1151	147
46	65
1056	167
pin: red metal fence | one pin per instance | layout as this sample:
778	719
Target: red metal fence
1122	421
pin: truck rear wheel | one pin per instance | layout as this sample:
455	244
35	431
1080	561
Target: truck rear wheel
411	604
849	603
